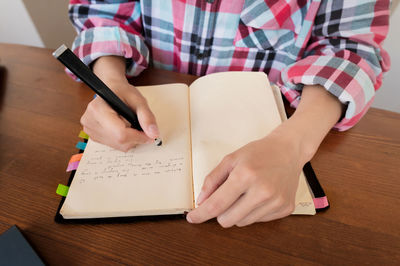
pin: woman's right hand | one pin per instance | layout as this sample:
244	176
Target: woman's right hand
104	125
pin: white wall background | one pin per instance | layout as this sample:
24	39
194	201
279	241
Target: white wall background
16	26
388	96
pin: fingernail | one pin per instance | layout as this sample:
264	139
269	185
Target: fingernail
200	198
153	129
188	219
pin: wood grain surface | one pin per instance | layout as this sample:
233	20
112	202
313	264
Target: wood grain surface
40	108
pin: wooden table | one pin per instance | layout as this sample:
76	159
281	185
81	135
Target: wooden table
40	107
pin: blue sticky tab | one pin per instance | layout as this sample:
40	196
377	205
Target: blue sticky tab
81	145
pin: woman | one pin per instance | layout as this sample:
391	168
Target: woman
327	53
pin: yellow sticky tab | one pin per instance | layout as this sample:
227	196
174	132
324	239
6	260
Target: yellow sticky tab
83	135
62	190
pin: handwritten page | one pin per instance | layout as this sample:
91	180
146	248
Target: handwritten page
110	166
146	180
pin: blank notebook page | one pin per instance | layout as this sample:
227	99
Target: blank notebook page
229	110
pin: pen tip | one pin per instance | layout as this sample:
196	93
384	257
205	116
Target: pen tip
158	141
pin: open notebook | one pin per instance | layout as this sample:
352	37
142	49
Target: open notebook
200	124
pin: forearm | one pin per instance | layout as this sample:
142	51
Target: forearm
317	113
110	69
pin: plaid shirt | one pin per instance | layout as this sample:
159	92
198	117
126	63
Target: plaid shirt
333	43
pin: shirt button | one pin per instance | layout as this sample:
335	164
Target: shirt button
200	55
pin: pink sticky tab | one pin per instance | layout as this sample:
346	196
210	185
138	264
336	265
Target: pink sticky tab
321	203
72	166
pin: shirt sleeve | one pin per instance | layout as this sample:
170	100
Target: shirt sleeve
109	27
344	55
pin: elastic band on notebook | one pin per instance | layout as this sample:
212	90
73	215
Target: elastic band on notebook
81	145
62	190
83	135
75	158
321	203
72	166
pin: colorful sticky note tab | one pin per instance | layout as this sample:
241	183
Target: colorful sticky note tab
83	135
75	158
321	203
72	166
81	145
62	190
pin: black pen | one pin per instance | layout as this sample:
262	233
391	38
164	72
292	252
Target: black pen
76	66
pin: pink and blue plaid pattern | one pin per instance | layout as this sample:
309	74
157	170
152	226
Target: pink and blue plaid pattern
333	43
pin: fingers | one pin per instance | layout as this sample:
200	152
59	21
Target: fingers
147	119
219	201
215	178
104	125
254	186
249	209
254	205
118	134
276	209
239	200
240	209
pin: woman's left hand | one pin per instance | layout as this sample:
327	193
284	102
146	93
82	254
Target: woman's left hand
256	183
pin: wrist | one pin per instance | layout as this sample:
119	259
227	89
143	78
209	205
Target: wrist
308	139
293	134
111	70
316	114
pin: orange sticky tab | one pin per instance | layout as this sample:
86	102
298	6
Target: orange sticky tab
76	157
